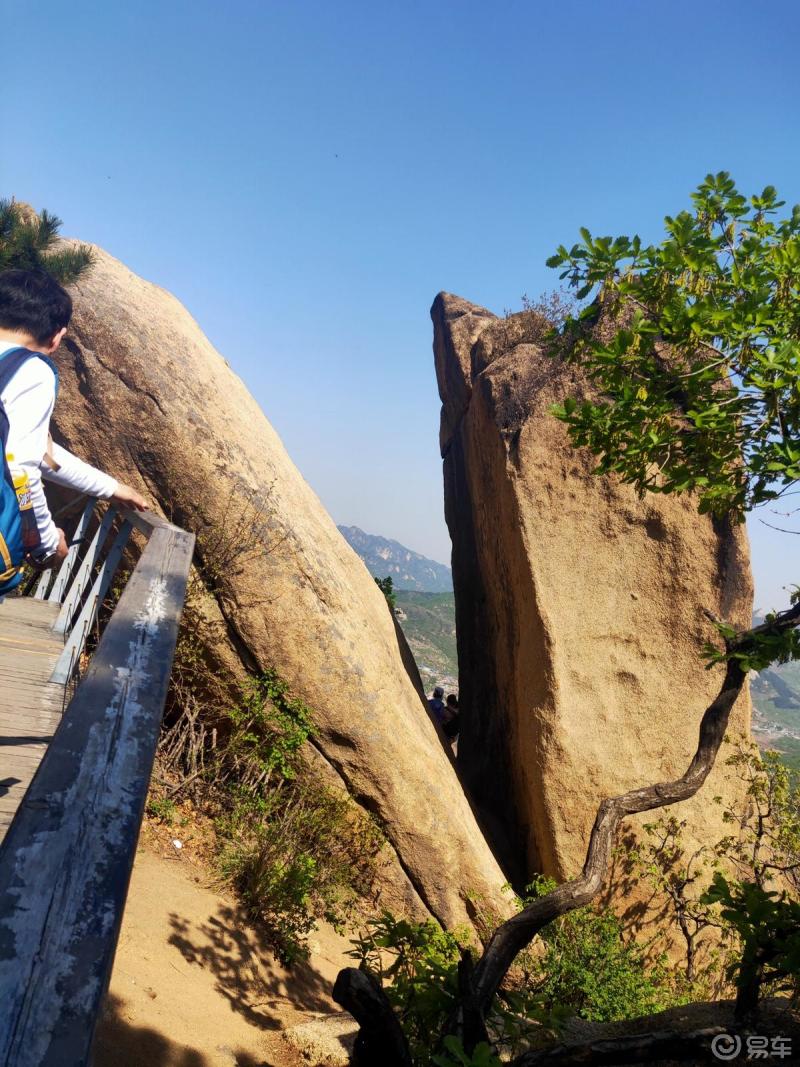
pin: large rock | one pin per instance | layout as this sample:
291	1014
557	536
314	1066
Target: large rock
579	607
145	396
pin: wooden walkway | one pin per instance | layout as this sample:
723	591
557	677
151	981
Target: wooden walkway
30	704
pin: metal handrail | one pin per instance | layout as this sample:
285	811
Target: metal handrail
66	860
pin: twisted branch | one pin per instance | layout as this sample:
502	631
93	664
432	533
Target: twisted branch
516	933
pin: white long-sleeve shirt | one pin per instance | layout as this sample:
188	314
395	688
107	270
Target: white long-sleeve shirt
28	400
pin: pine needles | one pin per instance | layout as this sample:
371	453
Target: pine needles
29	242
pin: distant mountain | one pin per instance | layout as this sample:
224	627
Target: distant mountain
775	693
407	569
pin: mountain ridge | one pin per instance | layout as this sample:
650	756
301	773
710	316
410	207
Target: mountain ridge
408	570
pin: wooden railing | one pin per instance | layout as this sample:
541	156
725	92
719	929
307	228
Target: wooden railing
66	860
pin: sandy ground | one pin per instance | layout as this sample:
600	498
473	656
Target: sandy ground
194	984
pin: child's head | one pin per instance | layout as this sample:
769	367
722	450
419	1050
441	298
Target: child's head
34	305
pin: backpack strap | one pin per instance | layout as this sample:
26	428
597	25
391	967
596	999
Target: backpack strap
10	363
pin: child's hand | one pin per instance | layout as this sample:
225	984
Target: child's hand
63	548
129	498
60	553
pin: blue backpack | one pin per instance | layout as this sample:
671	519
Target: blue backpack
12	553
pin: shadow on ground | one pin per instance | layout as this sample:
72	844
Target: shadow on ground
120	1043
246	973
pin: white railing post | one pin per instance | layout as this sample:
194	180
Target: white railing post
64	572
73	598
83	624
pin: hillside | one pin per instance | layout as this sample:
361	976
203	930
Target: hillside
775	694
407	569
776	710
429	623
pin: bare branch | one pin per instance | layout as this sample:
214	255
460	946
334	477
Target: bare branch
780	529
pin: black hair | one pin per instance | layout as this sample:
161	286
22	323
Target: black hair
32	302
452	700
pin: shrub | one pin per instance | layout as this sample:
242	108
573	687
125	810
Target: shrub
417	963
386	586
589	968
162	808
294	850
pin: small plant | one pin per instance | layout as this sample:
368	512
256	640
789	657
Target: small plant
386	586
745	888
162	808
296	854
764	845
679	878
555	306
269	728
768	925
293	849
590	969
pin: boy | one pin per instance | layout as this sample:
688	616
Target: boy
34	314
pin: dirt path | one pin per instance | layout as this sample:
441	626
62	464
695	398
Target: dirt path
194	985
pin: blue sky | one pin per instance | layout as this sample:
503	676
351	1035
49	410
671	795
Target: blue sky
306	177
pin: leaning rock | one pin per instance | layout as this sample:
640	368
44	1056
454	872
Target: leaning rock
146	396
579	607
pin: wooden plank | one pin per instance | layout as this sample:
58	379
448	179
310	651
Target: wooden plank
22	760
30	706
24	713
147	521
25	608
66	859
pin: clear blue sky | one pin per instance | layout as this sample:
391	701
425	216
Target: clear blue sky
306	176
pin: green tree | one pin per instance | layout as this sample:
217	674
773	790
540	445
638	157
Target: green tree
30	242
698	375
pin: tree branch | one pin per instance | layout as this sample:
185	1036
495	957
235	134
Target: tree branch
516	933
692	1047
380	1041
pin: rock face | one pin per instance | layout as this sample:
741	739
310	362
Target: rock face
579	607
145	396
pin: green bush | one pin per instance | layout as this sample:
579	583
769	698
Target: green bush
162	808
268	730
589	968
417	964
294	850
386	586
